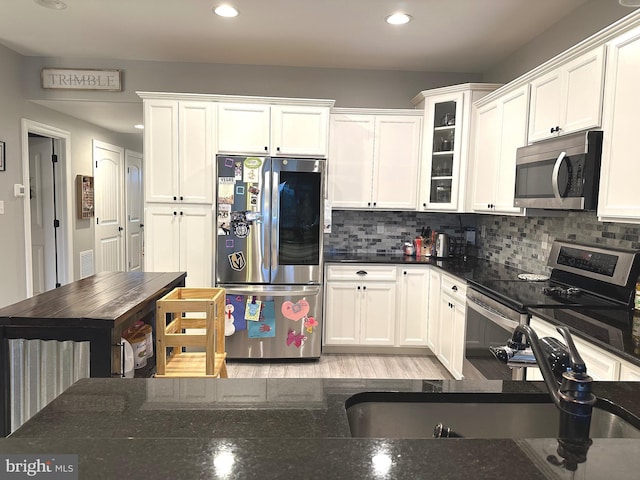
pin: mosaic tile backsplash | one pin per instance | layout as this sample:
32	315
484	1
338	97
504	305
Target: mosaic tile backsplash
523	242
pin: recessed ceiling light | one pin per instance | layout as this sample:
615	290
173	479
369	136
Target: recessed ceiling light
630	3
139	126
225	11
53	4
398	19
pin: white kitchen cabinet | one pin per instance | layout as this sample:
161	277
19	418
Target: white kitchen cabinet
629	372
374	158
179	151
275	130
569	98
413	306
179	238
452	316
433	329
618	199
446	144
500	128
360	305
601	365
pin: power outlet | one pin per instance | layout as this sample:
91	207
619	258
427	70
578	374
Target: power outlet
381	228
545	241
1	207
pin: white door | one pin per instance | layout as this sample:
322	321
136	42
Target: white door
42	214
134	208
109	207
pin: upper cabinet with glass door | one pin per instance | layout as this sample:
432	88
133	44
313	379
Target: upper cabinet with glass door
446	137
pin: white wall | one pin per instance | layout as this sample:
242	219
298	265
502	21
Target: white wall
349	88
589	19
14	108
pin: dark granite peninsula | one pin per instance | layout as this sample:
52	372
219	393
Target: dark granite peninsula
290	429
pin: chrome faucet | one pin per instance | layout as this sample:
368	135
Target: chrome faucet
569	387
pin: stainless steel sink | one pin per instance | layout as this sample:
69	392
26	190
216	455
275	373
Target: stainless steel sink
474	415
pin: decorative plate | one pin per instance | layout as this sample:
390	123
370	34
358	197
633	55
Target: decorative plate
533	277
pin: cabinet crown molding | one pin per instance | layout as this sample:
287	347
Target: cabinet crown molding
376	111
462	87
316	102
597	39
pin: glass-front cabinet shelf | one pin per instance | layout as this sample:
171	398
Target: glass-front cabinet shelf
446	136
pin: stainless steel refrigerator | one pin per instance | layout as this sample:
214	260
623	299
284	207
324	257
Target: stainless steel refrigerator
269	251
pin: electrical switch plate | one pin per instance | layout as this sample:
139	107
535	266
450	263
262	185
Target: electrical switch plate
381	228
1	207
18	190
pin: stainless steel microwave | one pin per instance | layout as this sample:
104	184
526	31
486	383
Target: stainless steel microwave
561	174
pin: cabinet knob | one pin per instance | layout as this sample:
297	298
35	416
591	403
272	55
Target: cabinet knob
278	149
375	203
266	149
175	198
181	198
454	288
424	205
181	213
120	229
358	287
404	273
368	204
555	129
175	213
364	287
361	272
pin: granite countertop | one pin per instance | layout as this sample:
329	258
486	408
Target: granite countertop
471	269
287	428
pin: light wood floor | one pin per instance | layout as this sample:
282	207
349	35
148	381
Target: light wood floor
343	366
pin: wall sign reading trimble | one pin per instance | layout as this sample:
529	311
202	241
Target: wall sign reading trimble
82	79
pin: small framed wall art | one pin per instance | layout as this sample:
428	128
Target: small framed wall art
84	196
3	159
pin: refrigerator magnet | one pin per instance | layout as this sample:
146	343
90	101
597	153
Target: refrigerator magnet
252	309
229	327
295	311
238	303
225	190
251	172
237	171
237	261
296	339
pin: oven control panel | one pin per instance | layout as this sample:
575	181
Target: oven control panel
612	265
602	263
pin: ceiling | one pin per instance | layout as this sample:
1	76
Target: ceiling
444	35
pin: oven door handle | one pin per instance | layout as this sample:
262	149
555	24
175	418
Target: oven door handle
493	316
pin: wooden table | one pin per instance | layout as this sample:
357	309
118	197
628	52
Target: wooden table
95	309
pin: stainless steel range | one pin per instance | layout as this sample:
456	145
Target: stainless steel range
590	289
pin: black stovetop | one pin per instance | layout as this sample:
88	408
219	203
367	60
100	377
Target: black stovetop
522	294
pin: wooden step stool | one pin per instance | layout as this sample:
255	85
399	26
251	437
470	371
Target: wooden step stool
172	318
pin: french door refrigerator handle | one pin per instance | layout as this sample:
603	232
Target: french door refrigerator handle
306	291
266	226
275	218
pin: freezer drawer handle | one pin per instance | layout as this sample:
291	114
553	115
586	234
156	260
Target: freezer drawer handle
361	272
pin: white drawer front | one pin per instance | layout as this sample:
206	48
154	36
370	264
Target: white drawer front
361	272
455	287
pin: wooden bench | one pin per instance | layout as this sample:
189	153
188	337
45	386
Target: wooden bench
175	314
